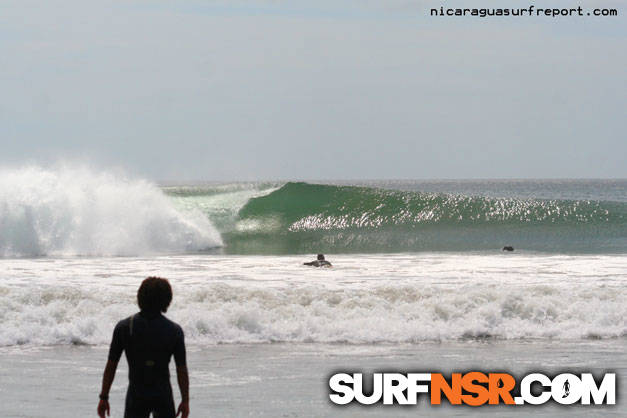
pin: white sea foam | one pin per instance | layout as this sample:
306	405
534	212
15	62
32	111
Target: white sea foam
363	299
78	211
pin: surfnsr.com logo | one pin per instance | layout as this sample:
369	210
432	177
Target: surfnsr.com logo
472	388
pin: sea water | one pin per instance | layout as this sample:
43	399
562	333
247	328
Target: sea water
419	283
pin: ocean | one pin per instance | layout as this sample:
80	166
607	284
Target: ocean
419	282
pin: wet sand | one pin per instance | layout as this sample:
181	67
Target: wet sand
290	380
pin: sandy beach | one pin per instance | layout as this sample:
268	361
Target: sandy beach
290	380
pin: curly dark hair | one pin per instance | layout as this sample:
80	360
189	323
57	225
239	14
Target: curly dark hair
154	295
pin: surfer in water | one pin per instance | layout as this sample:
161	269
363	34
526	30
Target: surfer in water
320	262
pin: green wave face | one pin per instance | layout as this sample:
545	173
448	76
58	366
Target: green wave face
310	218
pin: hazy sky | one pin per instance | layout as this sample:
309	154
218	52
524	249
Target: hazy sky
245	90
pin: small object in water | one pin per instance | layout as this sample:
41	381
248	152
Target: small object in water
320	262
508	248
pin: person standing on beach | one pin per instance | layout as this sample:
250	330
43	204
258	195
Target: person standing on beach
149	340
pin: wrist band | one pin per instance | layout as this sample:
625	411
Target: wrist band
103	397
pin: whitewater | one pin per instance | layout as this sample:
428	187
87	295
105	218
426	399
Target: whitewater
402	298
77	211
75	243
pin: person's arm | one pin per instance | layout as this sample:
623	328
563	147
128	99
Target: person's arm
115	352
107	380
183	379
180	358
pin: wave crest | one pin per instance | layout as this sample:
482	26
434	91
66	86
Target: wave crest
302	217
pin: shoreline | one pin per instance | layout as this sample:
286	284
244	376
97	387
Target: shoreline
290	379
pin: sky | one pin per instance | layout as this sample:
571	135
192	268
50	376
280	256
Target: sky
259	90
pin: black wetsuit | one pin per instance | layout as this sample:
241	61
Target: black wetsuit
149	341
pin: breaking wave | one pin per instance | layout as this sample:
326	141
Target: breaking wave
302	218
222	313
77	211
